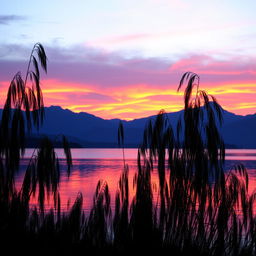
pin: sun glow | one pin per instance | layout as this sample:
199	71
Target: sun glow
137	100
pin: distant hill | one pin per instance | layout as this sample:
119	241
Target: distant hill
33	141
86	130
241	132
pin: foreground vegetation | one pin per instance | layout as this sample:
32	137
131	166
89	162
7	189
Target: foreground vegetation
199	209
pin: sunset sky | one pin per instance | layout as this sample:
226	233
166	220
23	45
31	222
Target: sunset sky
124	58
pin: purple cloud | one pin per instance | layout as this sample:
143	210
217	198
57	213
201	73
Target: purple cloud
7	19
85	65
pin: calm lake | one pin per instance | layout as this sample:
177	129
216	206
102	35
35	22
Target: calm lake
92	165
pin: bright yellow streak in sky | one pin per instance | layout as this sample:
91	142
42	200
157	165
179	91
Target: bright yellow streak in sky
140	100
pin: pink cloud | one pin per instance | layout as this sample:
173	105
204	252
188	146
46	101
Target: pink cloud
110	86
120	39
203	64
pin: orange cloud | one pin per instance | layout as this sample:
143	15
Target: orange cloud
137	100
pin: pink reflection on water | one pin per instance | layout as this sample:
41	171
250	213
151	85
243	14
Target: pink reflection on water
107	165
84	178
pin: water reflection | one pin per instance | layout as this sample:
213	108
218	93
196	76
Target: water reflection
91	165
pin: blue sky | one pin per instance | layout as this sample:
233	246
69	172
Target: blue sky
148	28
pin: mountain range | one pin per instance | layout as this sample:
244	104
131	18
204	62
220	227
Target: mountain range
87	130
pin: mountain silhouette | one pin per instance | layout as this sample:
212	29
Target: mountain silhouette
86	130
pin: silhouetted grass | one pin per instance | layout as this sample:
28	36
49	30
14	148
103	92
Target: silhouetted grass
199	209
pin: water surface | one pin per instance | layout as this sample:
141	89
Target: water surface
92	165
